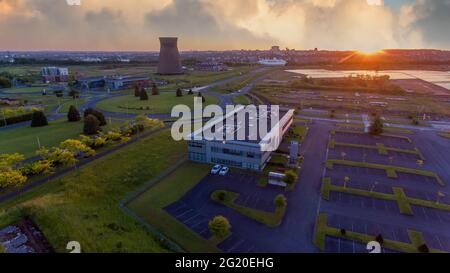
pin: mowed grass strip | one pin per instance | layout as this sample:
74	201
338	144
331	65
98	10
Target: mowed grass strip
270	219
380	147
83	206
404	202
150	206
160	104
323	230
405	138
391	171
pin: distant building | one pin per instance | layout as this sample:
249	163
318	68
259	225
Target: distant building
112	83
169	57
273	62
211	66
117	83
55	74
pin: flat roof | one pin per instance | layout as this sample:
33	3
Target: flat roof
248	127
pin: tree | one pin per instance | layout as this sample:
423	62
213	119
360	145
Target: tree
200	95
99	115
74	93
155	90
280	201
290	177
376	128
219	226
39	119
73	115
179	92
143	94
332	113
379	239
137	90
423	249
343	231
190	92
91	125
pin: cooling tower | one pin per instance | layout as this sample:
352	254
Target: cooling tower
169	57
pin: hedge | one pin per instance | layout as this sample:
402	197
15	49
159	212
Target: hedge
16	119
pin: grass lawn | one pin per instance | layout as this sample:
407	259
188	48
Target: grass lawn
445	135
323	230
243	100
25	139
391	171
84	205
270	219
161	104
149	206
75	102
23	90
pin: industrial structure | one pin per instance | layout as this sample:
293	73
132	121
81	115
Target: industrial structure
169	57
246	154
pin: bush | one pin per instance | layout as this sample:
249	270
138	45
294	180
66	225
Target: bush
280	201
221	195
99	115
74	93
343	232
143	94
379	239
16	119
290	177
179	92
73	115
39	119
155	90
200	95
377	126
91	125
219	226
137	91
423	249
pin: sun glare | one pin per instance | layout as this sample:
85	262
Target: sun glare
375	2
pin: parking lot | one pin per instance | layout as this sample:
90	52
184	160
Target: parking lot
372	216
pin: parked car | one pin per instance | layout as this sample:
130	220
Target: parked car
224	170
216	169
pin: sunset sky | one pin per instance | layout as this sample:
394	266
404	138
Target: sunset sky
365	25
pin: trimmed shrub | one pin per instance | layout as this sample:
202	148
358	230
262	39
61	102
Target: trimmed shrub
291	177
155	90
280	201
219	226
143	94
377	126
423	249
137	91
16	119
39	119
99	115
91	125
179	92
379	239
73	115
343	232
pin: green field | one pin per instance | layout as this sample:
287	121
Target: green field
84	205
75	102
23	90
161	104
242	99
149	206
24	140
